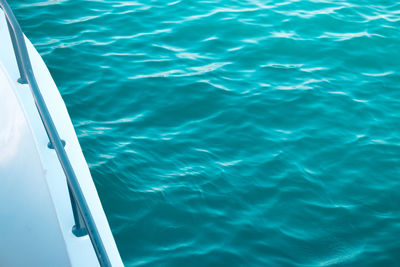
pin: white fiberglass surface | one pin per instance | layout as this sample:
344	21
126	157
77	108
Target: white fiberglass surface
47	169
29	225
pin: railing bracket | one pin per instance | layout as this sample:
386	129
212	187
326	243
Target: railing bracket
50	145
22	81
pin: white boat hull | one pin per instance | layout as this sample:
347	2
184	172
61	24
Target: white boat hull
35	206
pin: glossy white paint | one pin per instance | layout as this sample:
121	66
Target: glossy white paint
35	209
29	221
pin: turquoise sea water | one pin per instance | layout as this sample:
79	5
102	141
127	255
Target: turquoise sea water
235	133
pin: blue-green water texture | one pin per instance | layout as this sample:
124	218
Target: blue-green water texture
235	133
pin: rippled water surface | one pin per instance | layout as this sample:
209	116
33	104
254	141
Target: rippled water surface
233	133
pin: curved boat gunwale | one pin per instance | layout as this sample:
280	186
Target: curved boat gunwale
29	72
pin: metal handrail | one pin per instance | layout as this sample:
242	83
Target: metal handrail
83	217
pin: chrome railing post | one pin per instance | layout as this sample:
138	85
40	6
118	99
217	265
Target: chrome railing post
79	228
22	78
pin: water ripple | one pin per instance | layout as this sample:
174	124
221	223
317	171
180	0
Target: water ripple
238	133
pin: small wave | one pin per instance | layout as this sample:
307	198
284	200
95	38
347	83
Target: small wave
238	132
